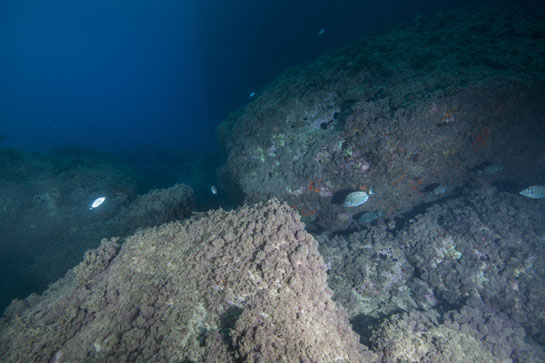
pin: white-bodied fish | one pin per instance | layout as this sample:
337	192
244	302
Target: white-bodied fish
534	192
213	190
320	32
252	94
98	202
355	199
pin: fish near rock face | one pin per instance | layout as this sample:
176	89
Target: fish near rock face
440	189
534	192
491	169
355	199
369	217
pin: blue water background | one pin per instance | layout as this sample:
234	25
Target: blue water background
147	78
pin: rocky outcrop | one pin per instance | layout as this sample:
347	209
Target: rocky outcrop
424	104
474	263
46	224
238	286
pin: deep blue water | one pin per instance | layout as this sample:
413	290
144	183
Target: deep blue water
139	76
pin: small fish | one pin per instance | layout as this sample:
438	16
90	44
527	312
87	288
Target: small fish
441	189
97	202
320	32
355	199
252	94
491	169
2	137
369	217
534	192
213	190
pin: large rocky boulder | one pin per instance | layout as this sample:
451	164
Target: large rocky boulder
238	286
429	103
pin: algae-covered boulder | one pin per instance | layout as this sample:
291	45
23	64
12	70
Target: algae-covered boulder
245	285
477	257
425	104
476	333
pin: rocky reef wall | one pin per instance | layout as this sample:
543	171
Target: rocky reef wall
425	104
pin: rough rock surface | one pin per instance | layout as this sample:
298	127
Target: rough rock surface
155	207
246	285
420	105
471	335
45	221
475	257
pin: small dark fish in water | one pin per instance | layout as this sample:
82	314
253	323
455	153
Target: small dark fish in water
429	188
369	217
440	189
2	138
491	169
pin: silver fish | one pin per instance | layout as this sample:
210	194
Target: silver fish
213	190
355	199
369	217
534	192
97	202
441	189
491	169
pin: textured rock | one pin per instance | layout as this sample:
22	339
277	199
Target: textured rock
45	222
154	208
46	225
477	258
474	334
419	105
420	337
245	285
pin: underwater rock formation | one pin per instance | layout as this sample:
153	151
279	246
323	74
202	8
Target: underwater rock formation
46	225
154	208
246	285
421	105
476	262
471	335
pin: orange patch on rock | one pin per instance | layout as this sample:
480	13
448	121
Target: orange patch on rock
481	139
